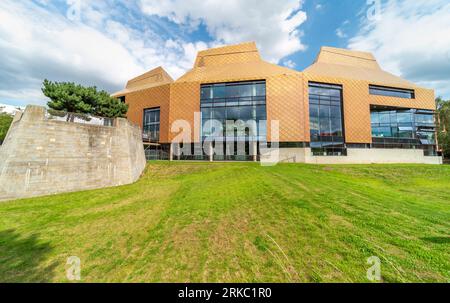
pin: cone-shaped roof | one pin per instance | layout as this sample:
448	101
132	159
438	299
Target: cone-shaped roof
347	64
240	61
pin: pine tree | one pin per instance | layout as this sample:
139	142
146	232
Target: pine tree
74	98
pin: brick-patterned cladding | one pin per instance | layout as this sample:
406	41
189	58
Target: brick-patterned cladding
287	90
148	98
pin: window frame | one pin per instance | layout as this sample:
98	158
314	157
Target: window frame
331	145
152	123
380	89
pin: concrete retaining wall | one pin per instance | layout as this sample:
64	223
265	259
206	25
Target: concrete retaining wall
42	157
354	156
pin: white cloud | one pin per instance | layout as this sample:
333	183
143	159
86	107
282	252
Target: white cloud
272	24
319	7
37	43
411	39
289	63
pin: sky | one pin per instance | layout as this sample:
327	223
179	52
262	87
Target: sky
105	43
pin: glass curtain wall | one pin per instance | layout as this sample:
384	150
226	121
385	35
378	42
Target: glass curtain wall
326	120
403	128
223	105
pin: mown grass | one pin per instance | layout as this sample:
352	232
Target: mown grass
238	222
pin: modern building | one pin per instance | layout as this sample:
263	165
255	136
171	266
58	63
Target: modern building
342	109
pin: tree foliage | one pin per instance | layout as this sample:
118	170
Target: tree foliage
443	108
75	98
5	123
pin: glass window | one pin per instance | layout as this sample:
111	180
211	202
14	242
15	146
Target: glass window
335	112
375	117
246	90
151	124
260	112
246	113
424	119
219	92
403	126
325	115
384	118
404	117
233	113
206	113
232	91
391	92
236	101
219	113
260	90
206	93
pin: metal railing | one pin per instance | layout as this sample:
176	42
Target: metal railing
56	115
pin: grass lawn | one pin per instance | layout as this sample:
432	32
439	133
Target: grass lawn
238	222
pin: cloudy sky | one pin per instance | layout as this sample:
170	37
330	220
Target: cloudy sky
105	43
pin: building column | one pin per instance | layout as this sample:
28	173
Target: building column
211	152
171	152
254	150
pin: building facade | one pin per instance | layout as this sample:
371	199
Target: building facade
342	109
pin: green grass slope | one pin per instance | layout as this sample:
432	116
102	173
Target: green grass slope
238	222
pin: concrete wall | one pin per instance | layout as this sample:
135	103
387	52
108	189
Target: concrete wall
354	156
42	156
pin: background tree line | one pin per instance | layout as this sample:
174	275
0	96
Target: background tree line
5	122
443	114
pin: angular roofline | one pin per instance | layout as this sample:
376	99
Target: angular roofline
145	81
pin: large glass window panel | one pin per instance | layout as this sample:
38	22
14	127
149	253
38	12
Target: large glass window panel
384	118
260	112
246	90
219	92
260	90
206	93
393	117
405	126
232	91
424	119
246	113
404	117
244	101
375	117
219	113
207	113
336	127
325	126
324	111
327	136
335	112
151	124
233	113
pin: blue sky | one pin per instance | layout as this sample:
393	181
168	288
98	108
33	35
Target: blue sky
105	43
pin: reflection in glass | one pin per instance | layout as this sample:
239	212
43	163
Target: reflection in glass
410	124
325	119
151	124
235	102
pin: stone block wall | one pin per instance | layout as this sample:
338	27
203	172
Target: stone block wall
41	156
